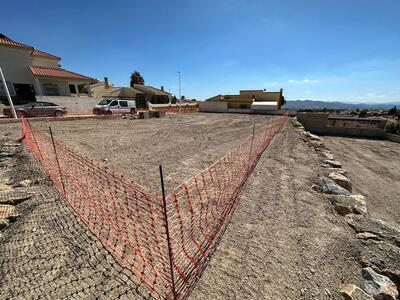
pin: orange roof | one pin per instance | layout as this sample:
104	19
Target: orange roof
39	53
55	72
4	40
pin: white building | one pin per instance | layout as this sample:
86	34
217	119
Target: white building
30	72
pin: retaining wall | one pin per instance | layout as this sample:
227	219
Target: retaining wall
75	105
392	137
319	123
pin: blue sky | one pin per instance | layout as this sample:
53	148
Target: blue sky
313	49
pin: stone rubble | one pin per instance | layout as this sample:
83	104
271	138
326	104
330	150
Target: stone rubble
352	292
379	286
381	243
341	180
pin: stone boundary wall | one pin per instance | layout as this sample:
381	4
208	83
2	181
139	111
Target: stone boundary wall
318	123
392	137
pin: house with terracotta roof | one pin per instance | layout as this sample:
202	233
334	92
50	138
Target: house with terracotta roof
142	94
30	72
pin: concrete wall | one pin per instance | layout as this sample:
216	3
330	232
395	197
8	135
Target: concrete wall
319	123
314	122
392	137
14	63
213	106
74	105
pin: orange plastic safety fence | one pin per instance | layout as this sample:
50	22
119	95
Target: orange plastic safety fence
130	221
200	209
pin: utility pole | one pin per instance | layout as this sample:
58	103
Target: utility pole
8	94
179	76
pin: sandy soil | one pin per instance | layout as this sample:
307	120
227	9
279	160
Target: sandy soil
374	169
284	242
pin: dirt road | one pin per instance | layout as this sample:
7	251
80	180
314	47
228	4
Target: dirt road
284	241
374	168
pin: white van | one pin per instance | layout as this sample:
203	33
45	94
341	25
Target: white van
114	106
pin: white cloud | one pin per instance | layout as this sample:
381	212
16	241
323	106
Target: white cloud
293	81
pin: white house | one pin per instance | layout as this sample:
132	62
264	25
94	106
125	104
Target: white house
30	72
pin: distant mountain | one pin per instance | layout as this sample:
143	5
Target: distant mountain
315	104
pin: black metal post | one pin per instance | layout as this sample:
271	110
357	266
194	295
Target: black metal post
167	231
251	148
58	163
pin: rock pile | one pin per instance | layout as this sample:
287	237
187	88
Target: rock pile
380	251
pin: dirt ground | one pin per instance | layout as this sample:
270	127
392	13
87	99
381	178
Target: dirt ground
284	242
374	169
184	144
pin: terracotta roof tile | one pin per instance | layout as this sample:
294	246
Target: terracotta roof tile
54	72
4	40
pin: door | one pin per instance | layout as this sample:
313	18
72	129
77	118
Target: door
37	110
49	109
24	93
123	107
114	107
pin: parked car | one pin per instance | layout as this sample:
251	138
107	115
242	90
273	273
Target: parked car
114	106
37	109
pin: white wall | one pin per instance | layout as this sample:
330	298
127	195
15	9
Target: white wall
74	105
14	63
44	62
63	84
213	106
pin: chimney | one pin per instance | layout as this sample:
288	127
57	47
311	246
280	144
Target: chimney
106	85
162	88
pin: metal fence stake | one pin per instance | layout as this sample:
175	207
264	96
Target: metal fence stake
58	163
167	232
251	148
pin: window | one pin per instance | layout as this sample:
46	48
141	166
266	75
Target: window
10	89
72	89
105	102
123	103
49	104
51	89
114	103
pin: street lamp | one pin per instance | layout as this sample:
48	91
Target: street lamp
179	76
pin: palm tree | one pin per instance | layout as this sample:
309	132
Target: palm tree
136	78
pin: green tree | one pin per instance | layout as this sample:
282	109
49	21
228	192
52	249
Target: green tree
391	128
136	78
363	113
393	111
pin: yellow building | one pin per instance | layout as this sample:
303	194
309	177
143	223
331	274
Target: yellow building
252	99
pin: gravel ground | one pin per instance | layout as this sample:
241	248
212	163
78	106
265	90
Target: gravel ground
374	169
